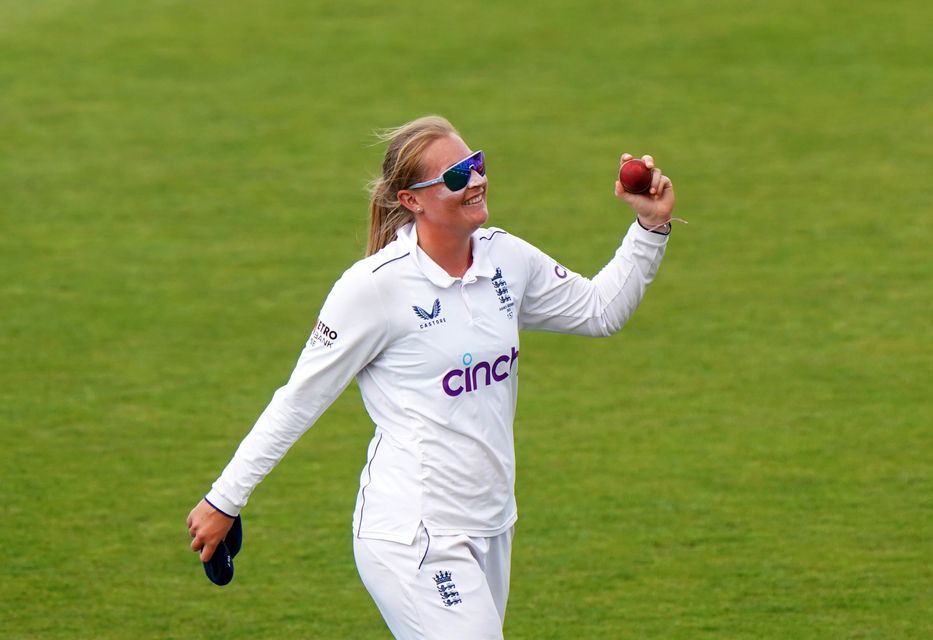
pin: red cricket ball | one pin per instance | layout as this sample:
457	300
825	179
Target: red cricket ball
635	176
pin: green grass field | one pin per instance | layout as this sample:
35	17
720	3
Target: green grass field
182	182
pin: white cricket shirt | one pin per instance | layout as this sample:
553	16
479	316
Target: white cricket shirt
436	359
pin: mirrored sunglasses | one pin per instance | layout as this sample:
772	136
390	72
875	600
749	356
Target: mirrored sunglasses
458	176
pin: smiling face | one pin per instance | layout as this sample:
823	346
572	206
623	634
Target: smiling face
437	209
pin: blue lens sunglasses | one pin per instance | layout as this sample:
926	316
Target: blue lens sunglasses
458	176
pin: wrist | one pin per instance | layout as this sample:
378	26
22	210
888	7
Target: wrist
661	228
221	504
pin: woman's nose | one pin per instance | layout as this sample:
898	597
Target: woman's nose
476	180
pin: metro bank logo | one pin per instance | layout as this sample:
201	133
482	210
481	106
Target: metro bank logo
469	379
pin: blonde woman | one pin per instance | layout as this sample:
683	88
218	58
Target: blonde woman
429	323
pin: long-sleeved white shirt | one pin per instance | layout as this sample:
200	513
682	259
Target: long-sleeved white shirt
436	359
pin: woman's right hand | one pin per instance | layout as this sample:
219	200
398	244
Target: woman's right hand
654	207
207	527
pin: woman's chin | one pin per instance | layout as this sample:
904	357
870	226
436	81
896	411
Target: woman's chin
479	215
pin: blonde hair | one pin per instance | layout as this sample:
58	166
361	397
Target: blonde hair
401	167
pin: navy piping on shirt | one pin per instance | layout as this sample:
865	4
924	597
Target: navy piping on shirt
369	470
218	508
424	557
670	228
392	260
492	234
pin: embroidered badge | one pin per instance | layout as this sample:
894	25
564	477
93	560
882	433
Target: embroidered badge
447	588
431	317
502	292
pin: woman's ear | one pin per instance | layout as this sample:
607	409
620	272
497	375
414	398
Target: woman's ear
409	200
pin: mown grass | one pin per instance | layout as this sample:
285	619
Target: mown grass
181	183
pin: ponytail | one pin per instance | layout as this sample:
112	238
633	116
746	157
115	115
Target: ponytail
386	216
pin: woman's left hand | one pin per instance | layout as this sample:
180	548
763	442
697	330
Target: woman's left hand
655	206
207	526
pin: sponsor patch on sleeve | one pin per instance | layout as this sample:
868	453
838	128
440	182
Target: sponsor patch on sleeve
323	335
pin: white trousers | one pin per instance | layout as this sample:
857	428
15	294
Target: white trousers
438	587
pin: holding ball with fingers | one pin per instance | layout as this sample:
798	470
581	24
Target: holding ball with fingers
635	176
647	190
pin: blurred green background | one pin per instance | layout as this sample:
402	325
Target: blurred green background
182	182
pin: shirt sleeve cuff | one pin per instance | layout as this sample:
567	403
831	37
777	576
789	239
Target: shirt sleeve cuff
222	504
656	231
653	238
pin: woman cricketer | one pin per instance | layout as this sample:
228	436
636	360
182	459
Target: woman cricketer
428	324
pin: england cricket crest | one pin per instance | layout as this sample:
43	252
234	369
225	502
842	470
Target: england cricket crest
502	292
446	587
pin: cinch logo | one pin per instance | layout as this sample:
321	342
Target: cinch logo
457	381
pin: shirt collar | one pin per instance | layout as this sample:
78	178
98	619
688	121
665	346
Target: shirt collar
481	268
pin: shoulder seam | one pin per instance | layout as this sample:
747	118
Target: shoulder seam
392	260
